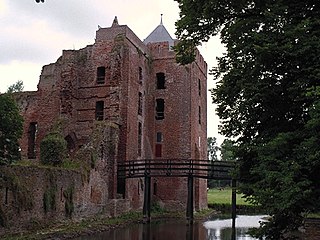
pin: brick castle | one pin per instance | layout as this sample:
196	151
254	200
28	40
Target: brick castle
125	99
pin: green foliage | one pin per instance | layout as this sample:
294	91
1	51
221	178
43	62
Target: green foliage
49	196
49	199
11	127
16	87
69	206
53	149
267	94
227	150
212	148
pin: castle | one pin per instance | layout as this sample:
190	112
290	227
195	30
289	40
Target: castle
127	99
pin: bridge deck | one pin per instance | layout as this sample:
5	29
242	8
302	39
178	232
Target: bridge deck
176	168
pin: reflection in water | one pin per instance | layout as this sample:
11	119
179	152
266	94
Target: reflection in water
180	230
221	229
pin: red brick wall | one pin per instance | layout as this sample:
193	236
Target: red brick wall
68	92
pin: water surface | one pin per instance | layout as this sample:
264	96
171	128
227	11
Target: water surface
214	229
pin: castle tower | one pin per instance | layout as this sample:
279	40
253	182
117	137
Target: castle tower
176	105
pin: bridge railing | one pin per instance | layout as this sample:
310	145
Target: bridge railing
176	168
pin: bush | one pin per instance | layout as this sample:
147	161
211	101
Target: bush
53	149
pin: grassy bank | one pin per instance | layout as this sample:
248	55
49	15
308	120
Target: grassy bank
220	200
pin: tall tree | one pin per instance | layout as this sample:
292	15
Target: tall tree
267	96
10	129
227	150
212	148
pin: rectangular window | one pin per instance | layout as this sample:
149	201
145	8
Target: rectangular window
159	109
140	104
199	87
139	138
140	75
158	150
199	115
161	80
99	110
101	74
159	137
32	131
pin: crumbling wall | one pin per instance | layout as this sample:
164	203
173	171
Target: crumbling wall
33	196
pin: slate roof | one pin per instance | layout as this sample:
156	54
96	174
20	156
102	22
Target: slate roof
159	34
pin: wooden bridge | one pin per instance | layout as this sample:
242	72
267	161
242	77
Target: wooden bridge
190	168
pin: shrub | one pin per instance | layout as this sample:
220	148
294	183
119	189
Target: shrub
53	149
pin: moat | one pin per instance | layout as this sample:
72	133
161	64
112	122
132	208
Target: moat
217	228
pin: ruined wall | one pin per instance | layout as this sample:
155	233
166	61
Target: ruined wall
34	195
70	90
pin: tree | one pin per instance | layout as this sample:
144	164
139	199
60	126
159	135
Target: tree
53	149
16	87
212	148
267	96
227	150
11	124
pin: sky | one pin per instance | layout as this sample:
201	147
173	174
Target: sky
34	34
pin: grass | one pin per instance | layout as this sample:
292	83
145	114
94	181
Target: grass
223	196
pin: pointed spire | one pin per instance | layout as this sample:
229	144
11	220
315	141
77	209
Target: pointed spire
161	19
115	22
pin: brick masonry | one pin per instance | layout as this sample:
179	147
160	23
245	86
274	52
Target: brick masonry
69	92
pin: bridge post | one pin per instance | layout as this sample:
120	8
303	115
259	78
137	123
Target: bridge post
147	199
234	208
190	200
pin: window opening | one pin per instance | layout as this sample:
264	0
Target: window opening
32	140
199	87
159	109
99	110
158	150
161	80
199	115
139	138
140	104
140	75
155	187
6	196
159	137
71	146
101	73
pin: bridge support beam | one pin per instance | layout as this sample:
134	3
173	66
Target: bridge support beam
147	199
234	208
190	200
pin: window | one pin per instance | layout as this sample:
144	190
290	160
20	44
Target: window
158	150
199	87
139	138
101	73
199	115
159	137
159	109
99	110
32	140
140	75
140	104
161	80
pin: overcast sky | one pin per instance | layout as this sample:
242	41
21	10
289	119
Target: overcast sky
34	34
